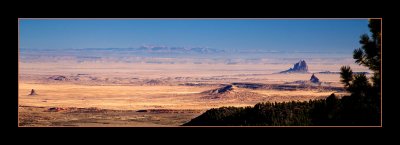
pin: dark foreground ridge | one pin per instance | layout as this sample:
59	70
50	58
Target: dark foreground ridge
329	112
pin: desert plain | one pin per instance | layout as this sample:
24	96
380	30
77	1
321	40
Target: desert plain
101	94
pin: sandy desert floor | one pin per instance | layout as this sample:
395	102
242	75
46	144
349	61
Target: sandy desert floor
167	95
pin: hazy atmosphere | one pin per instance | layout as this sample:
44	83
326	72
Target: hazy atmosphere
165	72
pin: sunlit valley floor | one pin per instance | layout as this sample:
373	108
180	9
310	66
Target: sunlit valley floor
135	94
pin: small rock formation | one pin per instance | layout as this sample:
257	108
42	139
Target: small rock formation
300	67
154	82
219	92
314	79
142	111
33	93
55	109
59	78
223	89
229	92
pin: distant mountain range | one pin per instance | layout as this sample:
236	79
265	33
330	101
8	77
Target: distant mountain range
179	50
171	55
329	72
160	49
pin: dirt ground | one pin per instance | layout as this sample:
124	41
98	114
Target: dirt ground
93	117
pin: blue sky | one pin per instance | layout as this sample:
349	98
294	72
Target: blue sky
264	34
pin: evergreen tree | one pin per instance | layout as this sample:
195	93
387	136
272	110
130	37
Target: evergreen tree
346	75
362	107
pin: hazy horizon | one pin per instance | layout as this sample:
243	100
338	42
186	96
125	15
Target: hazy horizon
285	35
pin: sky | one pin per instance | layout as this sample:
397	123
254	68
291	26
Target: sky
290	35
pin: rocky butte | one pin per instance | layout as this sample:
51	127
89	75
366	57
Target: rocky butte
314	79
300	67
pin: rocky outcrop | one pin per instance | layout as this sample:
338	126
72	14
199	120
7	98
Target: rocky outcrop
249	85
314	79
33	93
154	82
231	92
58	78
300	67
220	92
55	109
223	89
